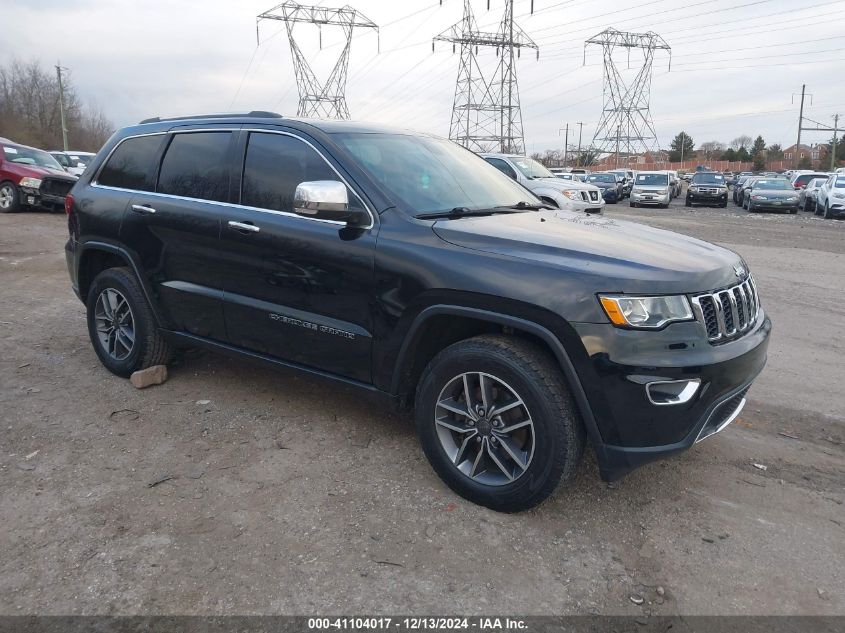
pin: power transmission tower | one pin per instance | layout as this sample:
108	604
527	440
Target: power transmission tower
626	125
319	100
486	115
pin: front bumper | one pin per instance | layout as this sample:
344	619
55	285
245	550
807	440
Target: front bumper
39	200
707	198
650	198
772	205
837	207
634	430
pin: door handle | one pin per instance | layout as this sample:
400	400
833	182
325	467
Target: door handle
243	226
143	208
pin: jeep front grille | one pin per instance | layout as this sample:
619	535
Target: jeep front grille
728	314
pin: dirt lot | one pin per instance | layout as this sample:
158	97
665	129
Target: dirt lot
287	496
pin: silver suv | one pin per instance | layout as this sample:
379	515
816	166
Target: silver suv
571	195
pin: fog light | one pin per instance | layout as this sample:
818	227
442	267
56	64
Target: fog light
668	392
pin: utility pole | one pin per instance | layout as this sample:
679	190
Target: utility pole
580	131
486	115
62	105
683	142
565	146
833	149
800	124
617	146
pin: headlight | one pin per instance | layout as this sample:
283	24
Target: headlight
836	194
572	194
792	199
756	197
645	312
31	183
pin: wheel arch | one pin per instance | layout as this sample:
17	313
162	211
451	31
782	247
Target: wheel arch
96	257
438	326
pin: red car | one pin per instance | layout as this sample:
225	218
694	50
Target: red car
30	177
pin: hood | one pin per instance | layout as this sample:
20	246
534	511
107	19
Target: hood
624	256
35	171
775	193
559	184
604	185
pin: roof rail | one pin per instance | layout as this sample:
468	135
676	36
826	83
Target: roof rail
258	114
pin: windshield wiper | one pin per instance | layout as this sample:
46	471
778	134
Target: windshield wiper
526	206
465	212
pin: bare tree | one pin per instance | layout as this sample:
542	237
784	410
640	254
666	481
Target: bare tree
710	149
742	141
29	110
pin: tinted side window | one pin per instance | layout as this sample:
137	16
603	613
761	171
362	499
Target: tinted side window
194	166
132	164
275	164
502	166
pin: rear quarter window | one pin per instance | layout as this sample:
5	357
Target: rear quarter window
132	165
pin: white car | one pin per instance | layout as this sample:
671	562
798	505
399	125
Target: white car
830	200
73	162
572	195
651	188
807	196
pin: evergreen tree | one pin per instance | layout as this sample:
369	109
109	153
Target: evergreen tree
759	146
681	140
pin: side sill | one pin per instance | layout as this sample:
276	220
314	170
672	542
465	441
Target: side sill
371	393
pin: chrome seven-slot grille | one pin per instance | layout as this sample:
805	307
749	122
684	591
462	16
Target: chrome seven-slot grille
728	314
592	197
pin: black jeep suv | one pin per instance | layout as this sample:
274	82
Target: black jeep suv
406	266
707	188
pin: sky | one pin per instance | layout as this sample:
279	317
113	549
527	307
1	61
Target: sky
737	66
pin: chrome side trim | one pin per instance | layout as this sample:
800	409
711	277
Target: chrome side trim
370	212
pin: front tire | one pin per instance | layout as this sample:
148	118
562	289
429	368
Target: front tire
497	422
121	324
827	214
10	198
632	204
687	202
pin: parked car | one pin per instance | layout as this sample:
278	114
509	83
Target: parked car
609	183
771	194
807	195
626	177
406	267
651	188
573	194
800	180
830	199
737	187
674	183
687	176
565	174
31	178
707	188
72	162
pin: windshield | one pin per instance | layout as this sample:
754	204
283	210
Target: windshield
776	185
601	178
432	175
708	179
530	168
80	158
29	156
652	179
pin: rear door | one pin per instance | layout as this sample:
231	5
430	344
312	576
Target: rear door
295	288
176	228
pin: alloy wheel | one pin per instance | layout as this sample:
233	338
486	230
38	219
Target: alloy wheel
484	428
7	196
115	324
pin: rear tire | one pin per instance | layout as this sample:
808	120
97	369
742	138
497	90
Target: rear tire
10	197
121	324
547	450
827	214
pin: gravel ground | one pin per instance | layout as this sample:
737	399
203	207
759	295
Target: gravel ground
276	494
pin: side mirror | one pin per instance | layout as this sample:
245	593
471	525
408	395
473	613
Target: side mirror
325	200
